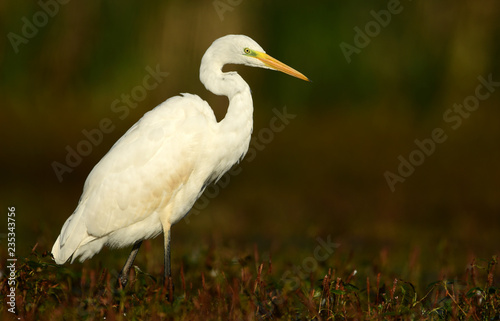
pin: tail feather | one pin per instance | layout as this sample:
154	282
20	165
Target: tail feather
58	255
73	236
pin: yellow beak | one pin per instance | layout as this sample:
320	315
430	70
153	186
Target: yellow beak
278	65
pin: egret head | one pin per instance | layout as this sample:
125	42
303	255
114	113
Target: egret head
240	49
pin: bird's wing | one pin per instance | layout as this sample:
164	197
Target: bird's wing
146	165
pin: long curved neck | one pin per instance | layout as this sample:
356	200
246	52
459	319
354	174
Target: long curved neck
238	123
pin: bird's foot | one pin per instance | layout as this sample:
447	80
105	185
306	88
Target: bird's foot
122	281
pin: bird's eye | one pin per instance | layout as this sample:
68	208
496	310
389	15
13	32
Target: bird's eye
246	50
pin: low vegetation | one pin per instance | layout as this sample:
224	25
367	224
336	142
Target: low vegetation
248	288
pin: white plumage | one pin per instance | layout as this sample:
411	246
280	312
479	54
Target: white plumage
151	177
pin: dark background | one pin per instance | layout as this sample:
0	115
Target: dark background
323	174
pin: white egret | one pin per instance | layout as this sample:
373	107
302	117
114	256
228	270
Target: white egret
154	173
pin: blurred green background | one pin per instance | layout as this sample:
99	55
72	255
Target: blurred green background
324	173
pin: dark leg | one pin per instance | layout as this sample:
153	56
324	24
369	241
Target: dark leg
167	272
123	277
